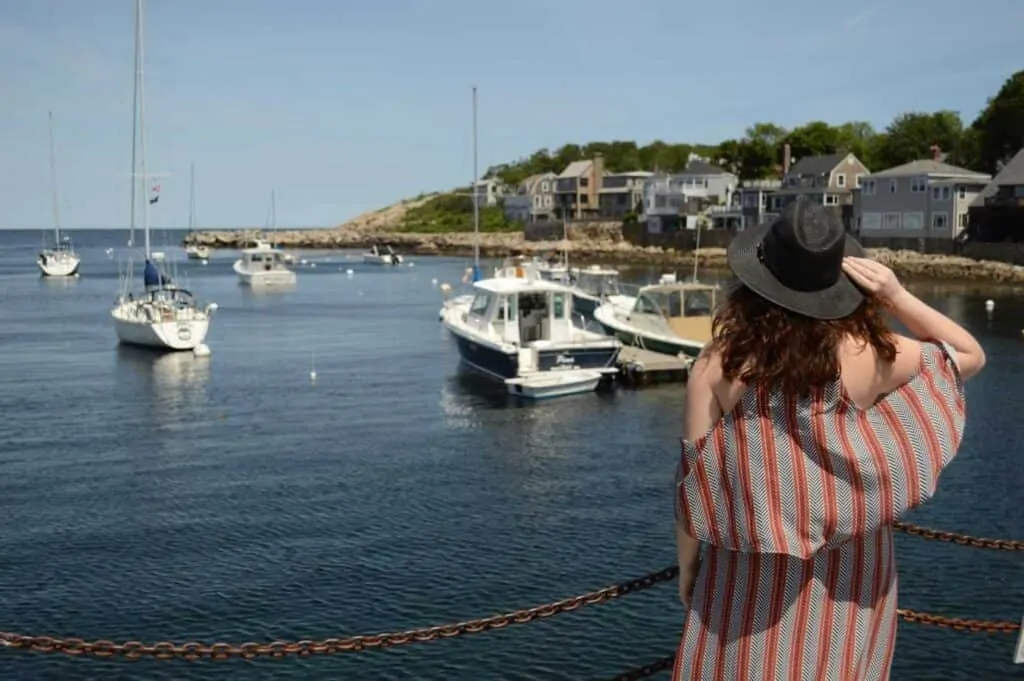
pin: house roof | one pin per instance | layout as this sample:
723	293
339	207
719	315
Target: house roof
1011	174
576	169
929	167
816	165
702	168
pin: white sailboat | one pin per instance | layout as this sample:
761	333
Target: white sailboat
263	264
164	316
61	260
194	251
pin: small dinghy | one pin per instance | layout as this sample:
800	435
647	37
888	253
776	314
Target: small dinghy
548	384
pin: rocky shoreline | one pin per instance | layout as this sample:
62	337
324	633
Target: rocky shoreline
905	263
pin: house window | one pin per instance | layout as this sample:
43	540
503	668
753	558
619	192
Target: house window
832	199
946	193
919	185
940	221
962	220
544	186
547	201
777	202
584	198
891	221
892	186
841	180
858	179
961	192
871	221
913	221
869	188
584	181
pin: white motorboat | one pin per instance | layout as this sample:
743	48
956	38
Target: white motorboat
382	256
667	318
165	316
263	266
519	327
595	285
197	252
60	260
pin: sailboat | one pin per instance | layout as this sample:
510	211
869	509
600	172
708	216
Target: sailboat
61	260
194	251
164	316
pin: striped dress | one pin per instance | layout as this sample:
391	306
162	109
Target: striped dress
794	500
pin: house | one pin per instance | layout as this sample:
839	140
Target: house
621	193
997	213
489	190
666	207
750	205
826	180
703	180
533	200
924	198
577	189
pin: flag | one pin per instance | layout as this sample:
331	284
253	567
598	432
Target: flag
156	192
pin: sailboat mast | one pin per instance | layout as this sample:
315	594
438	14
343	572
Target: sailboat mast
142	127
273	210
476	197
191	197
53	181
135	129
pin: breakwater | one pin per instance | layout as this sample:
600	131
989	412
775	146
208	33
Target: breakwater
904	262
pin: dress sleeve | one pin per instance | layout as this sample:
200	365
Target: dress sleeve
779	476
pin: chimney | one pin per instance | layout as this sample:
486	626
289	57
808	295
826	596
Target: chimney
786	157
936	153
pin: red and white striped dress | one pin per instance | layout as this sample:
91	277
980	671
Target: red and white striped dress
794	500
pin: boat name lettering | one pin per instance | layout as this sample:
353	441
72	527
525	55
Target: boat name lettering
564	359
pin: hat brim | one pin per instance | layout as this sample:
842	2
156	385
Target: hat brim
835	302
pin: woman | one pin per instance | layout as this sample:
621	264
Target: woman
810	427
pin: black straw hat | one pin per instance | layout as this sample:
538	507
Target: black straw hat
796	261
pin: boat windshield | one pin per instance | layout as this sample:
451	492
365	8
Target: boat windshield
601	285
479	306
676	303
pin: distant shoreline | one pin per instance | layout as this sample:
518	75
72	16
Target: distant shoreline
910	264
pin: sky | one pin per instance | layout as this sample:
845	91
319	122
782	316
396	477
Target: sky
340	107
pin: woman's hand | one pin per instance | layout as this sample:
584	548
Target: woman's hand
687	580
873	277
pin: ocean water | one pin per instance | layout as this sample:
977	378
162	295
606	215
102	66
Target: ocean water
228	498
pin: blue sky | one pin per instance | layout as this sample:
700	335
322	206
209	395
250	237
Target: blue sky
342	106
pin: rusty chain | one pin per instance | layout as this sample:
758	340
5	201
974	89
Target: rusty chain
193	650
961	539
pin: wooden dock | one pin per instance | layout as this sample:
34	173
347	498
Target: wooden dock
639	367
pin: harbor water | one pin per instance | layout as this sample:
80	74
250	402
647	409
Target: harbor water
171	497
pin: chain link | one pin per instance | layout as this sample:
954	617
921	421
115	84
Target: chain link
193	650
961	539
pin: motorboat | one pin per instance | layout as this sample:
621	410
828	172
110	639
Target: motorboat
517	328
667	318
385	255
596	285
263	266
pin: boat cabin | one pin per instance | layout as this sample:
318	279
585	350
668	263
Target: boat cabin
686	307
263	258
598	282
522	311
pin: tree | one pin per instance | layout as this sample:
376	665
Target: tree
998	132
911	136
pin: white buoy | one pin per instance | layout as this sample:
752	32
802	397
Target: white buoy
205	262
312	265
349	273
201	350
312	367
990	305
303	262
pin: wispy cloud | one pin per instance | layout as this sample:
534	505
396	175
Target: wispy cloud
857	19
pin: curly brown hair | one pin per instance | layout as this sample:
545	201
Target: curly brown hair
761	343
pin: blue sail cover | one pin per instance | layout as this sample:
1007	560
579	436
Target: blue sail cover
153	277
477	273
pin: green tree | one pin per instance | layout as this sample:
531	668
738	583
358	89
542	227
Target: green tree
998	131
911	136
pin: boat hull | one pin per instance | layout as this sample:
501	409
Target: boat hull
64	265
165	335
504	364
554	384
257	278
637	338
382	259
197	253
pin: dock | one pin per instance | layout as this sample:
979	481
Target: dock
638	367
